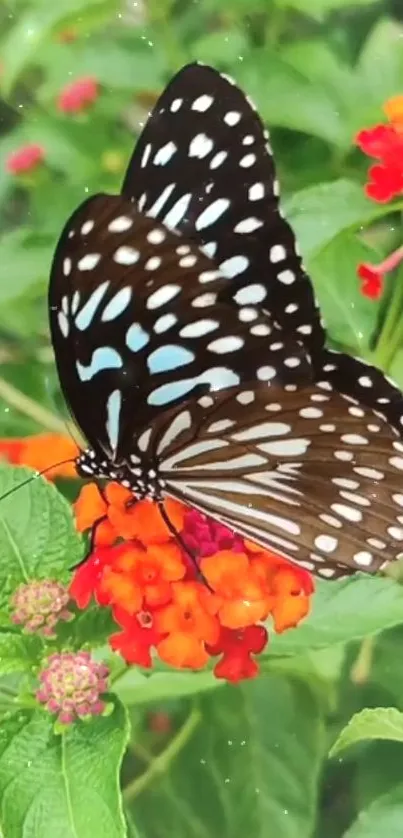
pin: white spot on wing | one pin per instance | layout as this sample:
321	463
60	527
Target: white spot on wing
164	154
234	265
120	224
126	255
113	408
162	296
200	146
88	262
211	213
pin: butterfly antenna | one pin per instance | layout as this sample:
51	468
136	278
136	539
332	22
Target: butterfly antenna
35	476
69	424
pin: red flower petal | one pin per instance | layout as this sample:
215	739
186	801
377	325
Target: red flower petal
372	281
385	182
235	668
78	95
25	159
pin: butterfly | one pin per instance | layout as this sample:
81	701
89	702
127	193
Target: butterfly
191	350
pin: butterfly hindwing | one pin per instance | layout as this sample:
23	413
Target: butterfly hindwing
362	382
294	471
204	166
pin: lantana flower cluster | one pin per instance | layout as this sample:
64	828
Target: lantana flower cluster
204	595
72	685
384	142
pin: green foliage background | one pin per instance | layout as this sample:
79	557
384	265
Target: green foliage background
204	760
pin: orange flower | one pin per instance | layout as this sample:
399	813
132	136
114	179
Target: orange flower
141	578
128	518
143	520
291	587
393	108
11	449
89	507
152	584
243	600
190	622
41	451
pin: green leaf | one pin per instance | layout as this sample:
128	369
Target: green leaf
343	610
249	767
350	317
382	817
37	535
132	67
221	47
321	212
370	782
22	43
385	674
278	90
383	51
62	786
377	723
24	263
18	652
319	9
134	687
396	368
93	626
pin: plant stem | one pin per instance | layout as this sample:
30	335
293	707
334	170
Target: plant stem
30	408
361	668
162	762
390	337
160	16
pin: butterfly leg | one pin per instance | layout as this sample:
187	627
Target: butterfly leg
185	548
92	542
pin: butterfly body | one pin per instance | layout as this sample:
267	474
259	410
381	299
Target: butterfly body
191	352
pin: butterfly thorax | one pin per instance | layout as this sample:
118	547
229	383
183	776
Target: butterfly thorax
139	474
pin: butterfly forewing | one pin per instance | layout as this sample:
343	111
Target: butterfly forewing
204	166
292	470
137	325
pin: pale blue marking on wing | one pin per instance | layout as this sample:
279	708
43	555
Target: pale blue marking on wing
169	357
86	315
219	378
104	358
169	392
113	408
117	304
136	337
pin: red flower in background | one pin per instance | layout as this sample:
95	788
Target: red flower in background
385	181
372	281
40	452
385	143
78	95
66	36
25	159
167	605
